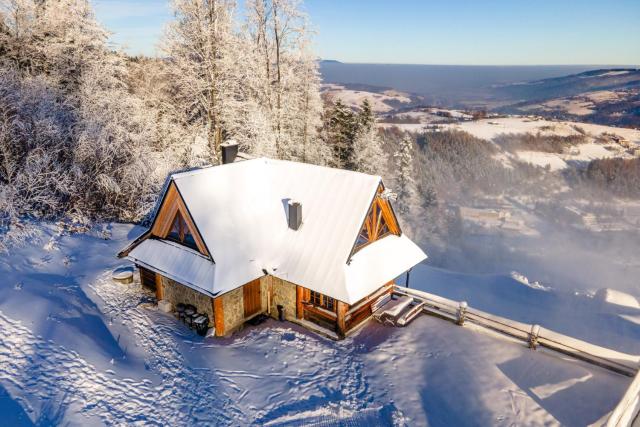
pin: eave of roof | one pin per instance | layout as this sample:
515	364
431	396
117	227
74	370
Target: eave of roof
240	212
176	262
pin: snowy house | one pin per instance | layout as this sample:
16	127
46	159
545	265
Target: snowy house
240	239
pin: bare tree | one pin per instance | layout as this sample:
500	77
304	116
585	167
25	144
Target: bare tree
201	47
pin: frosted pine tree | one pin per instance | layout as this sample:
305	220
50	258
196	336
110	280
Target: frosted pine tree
408	201
307	118
341	132
366	118
368	154
369	157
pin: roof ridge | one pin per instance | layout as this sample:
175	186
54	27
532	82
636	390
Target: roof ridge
201	169
340	170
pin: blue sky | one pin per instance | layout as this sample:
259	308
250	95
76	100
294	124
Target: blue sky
513	32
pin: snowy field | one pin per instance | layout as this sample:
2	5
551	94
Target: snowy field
79	349
490	128
591	149
380	102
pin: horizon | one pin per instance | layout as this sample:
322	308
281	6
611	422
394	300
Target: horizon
462	33
607	66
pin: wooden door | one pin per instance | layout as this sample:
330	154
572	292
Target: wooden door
252	300
147	278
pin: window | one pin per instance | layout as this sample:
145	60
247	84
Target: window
317	299
378	224
180	233
329	303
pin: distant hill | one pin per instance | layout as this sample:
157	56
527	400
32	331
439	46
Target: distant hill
605	96
445	85
602	79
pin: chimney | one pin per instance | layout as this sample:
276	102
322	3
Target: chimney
229	151
295	215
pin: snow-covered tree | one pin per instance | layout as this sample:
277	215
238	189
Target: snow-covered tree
202	49
117	171
284	77
368	153
342	128
369	156
73	138
408	200
53	38
366	118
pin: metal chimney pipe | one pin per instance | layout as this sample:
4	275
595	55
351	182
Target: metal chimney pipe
229	151
295	215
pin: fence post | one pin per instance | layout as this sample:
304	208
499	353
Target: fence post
533	336
462	311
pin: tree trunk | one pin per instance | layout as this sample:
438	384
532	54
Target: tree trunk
276	34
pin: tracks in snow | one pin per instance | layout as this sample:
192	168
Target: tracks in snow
266	376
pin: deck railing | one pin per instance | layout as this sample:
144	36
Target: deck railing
626	411
533	336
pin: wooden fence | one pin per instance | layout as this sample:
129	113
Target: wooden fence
628	408
533	336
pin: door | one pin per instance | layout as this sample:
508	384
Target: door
147	278
252	300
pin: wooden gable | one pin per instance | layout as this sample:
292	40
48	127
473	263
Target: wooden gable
380	221
173	212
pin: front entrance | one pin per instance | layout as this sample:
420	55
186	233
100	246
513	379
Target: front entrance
252	300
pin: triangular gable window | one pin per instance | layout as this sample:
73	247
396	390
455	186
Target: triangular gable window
379	223
180	232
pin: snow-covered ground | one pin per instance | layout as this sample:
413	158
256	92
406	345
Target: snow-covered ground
77	348
380	102
492	127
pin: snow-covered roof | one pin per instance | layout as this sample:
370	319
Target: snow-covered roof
240	210
176	262
380	262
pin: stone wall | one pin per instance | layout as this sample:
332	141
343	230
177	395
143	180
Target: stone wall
175	293
233	307
284	293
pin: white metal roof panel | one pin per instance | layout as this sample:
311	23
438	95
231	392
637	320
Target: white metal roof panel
240	209
175	262
379	263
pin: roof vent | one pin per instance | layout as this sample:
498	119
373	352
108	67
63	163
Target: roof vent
295	215
229	151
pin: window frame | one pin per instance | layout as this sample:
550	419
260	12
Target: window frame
323	301
364	237
183	232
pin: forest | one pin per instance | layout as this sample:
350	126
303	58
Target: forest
89	133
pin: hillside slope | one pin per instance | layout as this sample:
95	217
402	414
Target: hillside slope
77	348
609	96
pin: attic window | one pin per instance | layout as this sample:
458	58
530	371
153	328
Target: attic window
378	223
180	233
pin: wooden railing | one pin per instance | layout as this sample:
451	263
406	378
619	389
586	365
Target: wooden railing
628	408
532	335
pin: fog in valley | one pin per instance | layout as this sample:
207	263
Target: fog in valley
482	211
